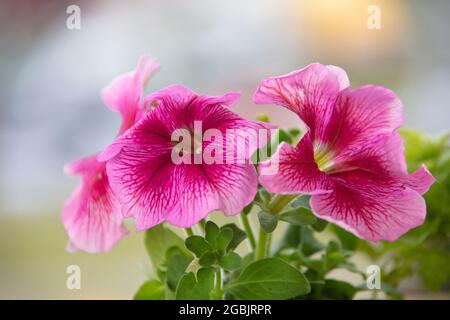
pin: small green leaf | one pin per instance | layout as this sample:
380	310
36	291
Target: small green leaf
197	245
175	270
230	261
207	259
211	232
150	290
224	239
247	209
320	225
299	216
283	136
294	133
339	290
291	238
269	279
301	201
196	288
309	244
268	221
157	241
348	240
239	235
264	196
263	117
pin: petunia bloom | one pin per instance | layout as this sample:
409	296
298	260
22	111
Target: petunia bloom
351	159
92	215
154	187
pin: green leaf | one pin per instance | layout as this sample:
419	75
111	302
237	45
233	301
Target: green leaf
207	259
264	196
291	238
283	136
294	133
348	240
211	233
269	279
158	240
176	269
263	117
197	245
248	208
268	221
338	290
301	201
196	288
230	261
150	290
320	225
299	216
309	244
239	235
224	239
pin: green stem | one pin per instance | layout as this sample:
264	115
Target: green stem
261	251
218	291
248	228
280	201
189	231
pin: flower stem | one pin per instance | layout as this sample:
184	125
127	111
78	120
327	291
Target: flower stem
189	231
218	291
248	229
280	201
261	251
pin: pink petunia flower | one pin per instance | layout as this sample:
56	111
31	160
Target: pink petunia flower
92	215
351	159
153	187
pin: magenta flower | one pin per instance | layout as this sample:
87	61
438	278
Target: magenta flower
92	216
155	186
351	159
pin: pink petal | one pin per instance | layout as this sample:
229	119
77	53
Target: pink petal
310	92
372	207
360	116
421	180
385	156
152	187
341	75
124	94
295	171
91	216
205	188
141	171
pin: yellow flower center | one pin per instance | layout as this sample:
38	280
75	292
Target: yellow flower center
323	158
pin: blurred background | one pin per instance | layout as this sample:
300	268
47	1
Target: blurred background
51	111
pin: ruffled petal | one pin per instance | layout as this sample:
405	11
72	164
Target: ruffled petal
92	215
310	92
385	157
420	180
141	171
294	170
360	116
371	206
124	94
153	187
205	188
